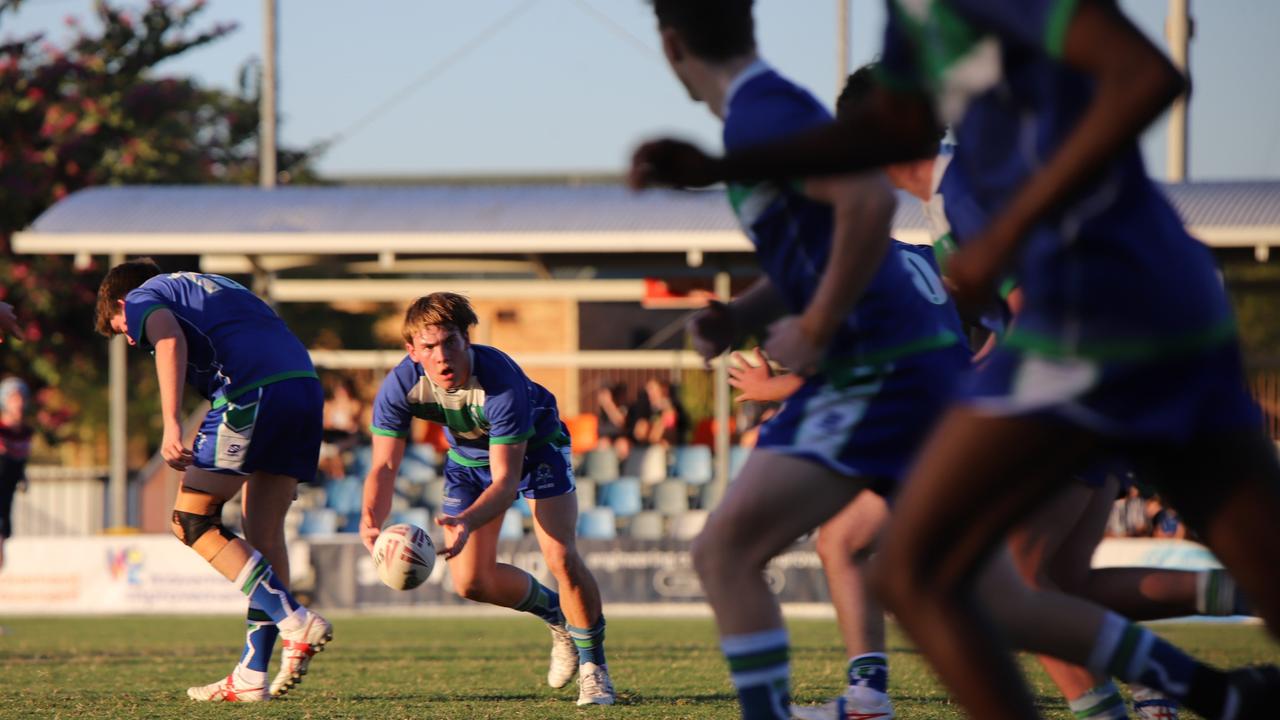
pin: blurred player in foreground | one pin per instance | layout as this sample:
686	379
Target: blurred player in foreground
262	434
505	438
866	324
1126	341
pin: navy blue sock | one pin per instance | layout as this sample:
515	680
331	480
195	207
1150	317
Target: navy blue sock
259	640
590	642
542	601
761	669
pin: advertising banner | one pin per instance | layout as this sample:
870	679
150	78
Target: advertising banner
158	574
123	574
628	571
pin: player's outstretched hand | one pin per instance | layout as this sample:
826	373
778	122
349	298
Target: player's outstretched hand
790	344
671	163
711	329
8	321
461	531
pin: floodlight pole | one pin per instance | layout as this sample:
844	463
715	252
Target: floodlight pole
267	103
843	22
1178	31
267	121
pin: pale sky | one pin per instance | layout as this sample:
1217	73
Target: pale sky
431	87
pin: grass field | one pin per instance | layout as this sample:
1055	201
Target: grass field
415	667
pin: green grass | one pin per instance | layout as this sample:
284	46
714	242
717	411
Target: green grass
416	667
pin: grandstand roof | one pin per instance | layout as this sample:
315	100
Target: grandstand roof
480	219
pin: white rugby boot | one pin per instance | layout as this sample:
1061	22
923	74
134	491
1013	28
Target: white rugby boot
594	685
564	657
298	647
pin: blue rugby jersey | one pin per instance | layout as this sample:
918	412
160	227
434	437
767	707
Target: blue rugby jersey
498	405
954	219
235	341
896	315
927	277
1112	276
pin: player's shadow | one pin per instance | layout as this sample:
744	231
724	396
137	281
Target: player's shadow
449	697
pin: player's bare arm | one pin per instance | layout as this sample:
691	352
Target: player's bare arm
506	463
171	361
893	127
1135	83
863	208
379	484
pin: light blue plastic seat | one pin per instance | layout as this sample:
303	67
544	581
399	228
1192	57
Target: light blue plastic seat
512	525
419	516
600	465
737	458
671	497
686	526
434	494
598	524
522	506
361	461
318	523
711	495
425	454
649	463
648	525
586	492
622	496
693	464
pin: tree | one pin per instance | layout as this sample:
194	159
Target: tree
96	112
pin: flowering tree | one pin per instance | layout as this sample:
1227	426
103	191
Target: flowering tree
95	112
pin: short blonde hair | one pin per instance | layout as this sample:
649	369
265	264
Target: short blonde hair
442	308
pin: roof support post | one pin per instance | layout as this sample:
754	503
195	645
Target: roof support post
118	404
722	438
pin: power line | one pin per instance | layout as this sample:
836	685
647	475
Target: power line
430	74
617	29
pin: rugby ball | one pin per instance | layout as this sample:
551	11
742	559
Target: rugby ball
403	556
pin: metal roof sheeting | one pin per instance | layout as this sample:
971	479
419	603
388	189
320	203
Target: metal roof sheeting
461	209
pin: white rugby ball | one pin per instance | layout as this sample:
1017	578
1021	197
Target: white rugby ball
404	556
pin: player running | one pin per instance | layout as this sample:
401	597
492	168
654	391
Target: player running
505	438
880	370
262	434
1126	340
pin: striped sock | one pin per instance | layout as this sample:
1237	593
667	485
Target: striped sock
265	590
1134	654
870	670
1100	703
1153	703
259	640
1217	594
541	601
590	642
761	672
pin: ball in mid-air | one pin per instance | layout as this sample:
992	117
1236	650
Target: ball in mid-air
403	556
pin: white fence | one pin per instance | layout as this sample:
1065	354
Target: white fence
60	501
